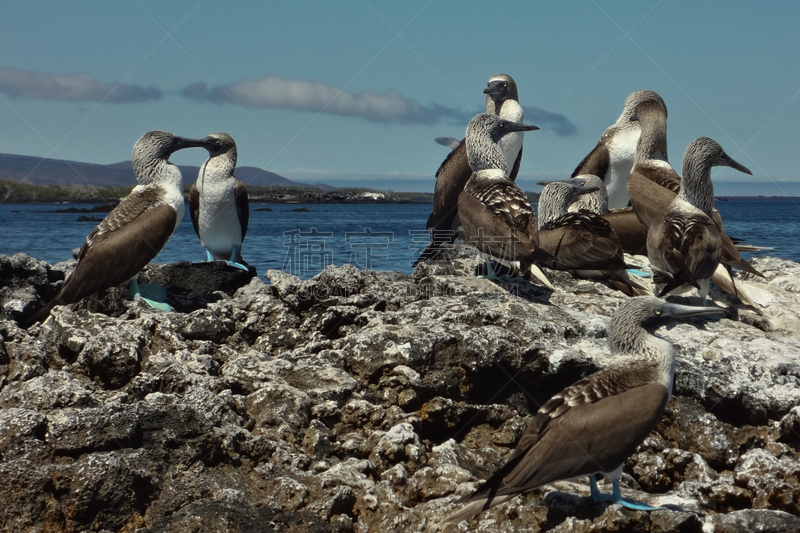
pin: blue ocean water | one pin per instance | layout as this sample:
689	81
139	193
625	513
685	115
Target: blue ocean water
303	239
299	239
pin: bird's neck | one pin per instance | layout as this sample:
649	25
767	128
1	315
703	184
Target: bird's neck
636	342
652	143
485	154
696	186
158	172
552	204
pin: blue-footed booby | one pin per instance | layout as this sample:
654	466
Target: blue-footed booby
135	231
592	426
581	243
685	246
218	203
595	201
654	184
501	99
494	211
612	158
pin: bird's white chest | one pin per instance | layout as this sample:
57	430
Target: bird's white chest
511	144
218	219
174	197
621	153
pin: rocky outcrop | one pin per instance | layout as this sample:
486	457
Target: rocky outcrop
370	401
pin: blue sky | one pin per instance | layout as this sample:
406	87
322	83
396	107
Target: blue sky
354	92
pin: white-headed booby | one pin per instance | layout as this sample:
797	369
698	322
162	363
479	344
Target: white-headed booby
612	158
135	231
685	246
593	425
218	203
501	99
494	211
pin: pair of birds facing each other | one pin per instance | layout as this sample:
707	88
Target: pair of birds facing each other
593	425
136	230
502	99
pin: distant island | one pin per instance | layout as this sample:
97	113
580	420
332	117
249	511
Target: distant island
19	192
25	179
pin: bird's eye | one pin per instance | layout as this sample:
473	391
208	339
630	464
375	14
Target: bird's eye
634	118
656	312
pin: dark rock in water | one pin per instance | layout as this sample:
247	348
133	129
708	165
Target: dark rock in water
370	401
263	209
84	218
301	210
105	208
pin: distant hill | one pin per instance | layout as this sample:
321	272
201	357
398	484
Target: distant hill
41	171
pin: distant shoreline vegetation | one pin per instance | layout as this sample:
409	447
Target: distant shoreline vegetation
16	192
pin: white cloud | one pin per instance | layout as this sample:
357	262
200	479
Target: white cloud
18	83
320	97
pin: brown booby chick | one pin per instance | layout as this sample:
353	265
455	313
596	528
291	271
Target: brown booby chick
685	246
582	243
135	231
592	426
218	203
502	99
494	211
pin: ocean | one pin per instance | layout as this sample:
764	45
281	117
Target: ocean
303	239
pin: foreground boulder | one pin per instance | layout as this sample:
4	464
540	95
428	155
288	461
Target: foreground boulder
370	401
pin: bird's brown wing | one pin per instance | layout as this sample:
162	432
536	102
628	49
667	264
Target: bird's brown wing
242	206
581	240
194	208
591	426
116	251
596	162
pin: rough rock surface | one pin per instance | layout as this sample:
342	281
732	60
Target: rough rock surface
370	401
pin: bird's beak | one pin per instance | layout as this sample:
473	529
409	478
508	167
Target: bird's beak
583	189
677	311
183	142
728	161
518	126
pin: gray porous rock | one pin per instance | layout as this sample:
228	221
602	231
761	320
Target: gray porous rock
364	401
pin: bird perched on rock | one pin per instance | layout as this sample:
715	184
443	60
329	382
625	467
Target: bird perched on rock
582	243
218	203
592	426
685	246
654	184
612	158
502	99
494	211
135	231
595	201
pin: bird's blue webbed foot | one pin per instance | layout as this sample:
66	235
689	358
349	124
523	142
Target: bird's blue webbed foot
640	273
616	497
153	295
233	261
209	257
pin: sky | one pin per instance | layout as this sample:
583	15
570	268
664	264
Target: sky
353	92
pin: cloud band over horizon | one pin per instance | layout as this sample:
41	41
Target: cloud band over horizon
17	83
320	97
